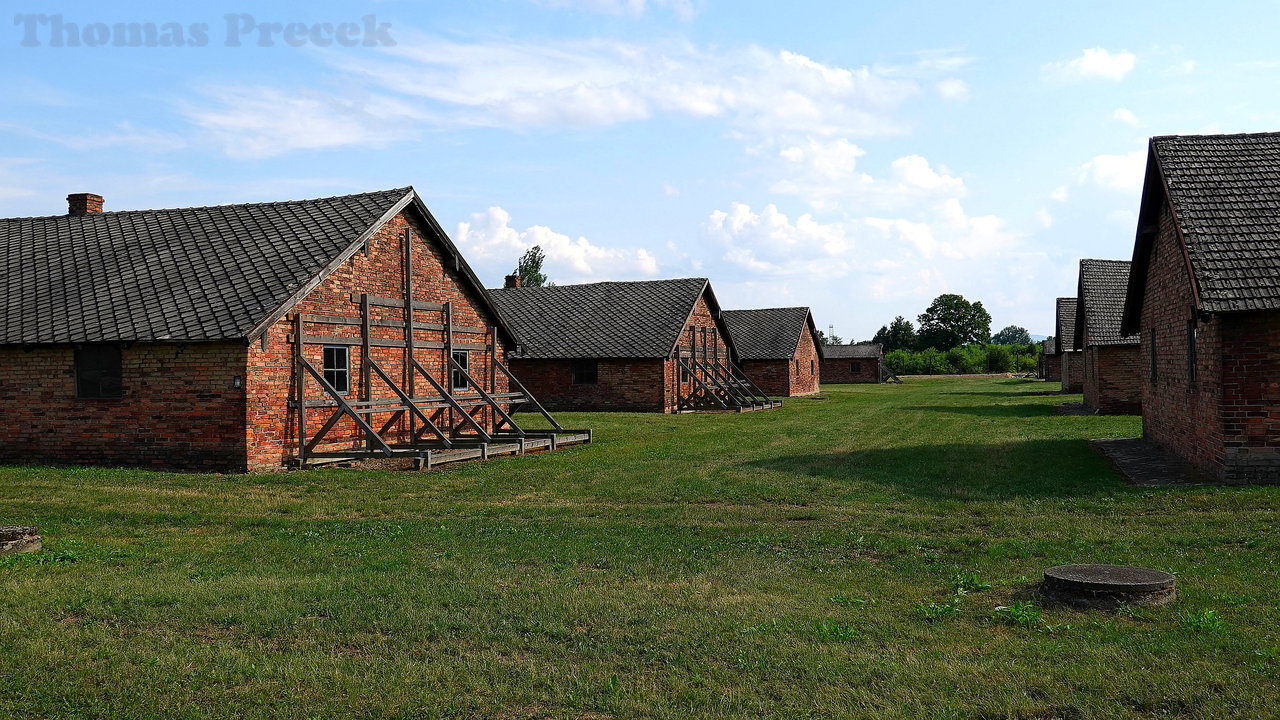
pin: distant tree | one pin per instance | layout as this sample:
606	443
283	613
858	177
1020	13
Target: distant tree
832	339
529	268
897	335
1012	335
951	321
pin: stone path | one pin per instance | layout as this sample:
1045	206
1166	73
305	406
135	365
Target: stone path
1146	464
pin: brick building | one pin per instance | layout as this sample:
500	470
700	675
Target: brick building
1050	362
250	336
1204	292
779	348
1070	359
1112	363
863	363
646	346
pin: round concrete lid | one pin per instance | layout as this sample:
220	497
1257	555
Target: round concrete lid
1119	578
17	532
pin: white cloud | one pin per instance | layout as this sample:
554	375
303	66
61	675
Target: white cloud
1044	217
1116	172
1126	116
683	9
123	134
489	242
953	89
824	174
428	82
1060	193
768	242
1093	63
256	122
670	190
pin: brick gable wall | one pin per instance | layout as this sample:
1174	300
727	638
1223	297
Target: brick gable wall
806	375
673	388
1112	375
1051	367
273	425
180	409
1113	379
1072	371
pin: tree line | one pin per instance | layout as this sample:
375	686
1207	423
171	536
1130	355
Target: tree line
954	337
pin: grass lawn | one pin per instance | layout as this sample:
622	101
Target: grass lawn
829	559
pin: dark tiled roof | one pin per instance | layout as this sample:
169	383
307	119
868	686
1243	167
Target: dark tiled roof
1065	330
769	333
1226	192
205	273
1102	290
863	350
640	319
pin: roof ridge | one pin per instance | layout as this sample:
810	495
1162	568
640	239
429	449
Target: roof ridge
401	190
1268	133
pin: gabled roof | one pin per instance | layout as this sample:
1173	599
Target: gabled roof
223	272
641	319
861	350
1225	194
1065	329
770	333
1103	284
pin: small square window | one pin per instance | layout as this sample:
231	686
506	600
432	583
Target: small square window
336	367
855	367
461	360
98	372
586	372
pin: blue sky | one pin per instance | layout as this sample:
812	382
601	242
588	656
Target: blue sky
856	157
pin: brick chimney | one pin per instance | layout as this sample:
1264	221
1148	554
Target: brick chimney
512	281
83	203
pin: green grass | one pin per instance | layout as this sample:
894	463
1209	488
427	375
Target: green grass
870	555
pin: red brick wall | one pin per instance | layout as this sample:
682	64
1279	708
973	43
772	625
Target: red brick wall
272	436
1072	369
1113	379
180	409
840	370
1181	415
806	375
701	317
623	385
788	378
1051	367
1250	366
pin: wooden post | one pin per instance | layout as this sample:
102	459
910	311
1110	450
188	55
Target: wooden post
408	325
448	354
492	332
366	357
301	389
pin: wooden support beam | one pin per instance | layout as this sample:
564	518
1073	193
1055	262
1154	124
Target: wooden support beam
453	404
345	407
397	302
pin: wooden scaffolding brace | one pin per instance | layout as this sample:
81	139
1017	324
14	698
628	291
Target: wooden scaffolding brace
433	436
716	382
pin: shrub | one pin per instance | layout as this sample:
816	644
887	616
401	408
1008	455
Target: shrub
999	359
967	359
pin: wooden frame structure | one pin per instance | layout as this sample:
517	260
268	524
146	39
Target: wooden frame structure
716	383
443	424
